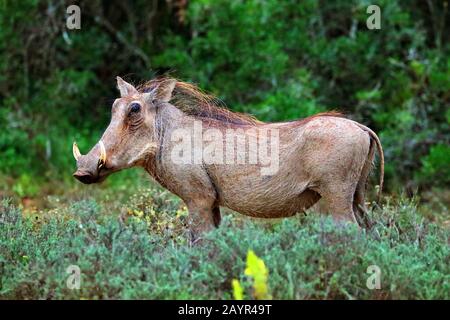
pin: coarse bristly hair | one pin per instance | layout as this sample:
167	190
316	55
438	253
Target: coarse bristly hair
193	101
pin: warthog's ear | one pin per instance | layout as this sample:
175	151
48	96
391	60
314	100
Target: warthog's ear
165	90
162	92
125	88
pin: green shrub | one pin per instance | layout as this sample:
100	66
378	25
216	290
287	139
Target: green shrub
308	258
435	166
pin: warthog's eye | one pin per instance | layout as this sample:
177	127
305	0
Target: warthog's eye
135	108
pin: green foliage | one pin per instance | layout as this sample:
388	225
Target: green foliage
308	258
25	186
278	60
436	164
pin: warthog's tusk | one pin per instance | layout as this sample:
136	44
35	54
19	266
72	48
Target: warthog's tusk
76	152
102	159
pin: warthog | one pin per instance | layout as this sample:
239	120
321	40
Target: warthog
324	156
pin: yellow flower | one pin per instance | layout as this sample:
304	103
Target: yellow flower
139	213
258	271
237	290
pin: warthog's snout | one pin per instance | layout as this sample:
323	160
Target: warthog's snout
91	165
85	176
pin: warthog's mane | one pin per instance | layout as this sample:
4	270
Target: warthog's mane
193	101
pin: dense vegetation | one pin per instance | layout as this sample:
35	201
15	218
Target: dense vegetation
278	60
145	253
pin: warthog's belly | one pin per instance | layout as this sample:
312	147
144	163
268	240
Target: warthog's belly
245	190
275	206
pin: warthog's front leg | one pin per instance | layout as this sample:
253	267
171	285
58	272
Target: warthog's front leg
203	217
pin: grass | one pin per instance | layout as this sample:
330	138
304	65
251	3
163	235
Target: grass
138	249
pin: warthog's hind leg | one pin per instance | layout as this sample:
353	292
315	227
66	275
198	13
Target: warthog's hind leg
340	202
216	216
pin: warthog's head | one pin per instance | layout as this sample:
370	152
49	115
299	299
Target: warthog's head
130	137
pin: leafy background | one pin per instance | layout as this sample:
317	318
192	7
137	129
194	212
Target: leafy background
278	60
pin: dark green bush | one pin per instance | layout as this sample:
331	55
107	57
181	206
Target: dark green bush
277	60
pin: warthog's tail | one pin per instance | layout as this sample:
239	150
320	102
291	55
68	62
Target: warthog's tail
374	136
